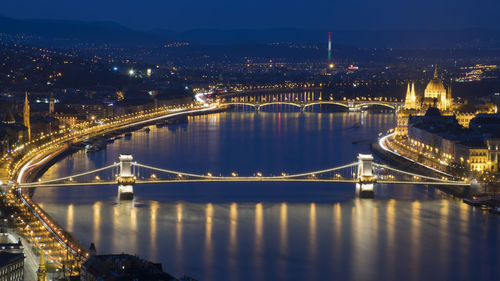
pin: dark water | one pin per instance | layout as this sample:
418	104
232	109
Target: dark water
274	231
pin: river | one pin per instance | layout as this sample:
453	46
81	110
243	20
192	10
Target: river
273	231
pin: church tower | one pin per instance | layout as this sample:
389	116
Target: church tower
26	116
449	98
42	271
407	92
51	104
414	96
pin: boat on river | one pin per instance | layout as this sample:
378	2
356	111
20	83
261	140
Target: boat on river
94	147
483	200
177	120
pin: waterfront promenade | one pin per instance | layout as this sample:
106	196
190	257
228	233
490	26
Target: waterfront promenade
36	227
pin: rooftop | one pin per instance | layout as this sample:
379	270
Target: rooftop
9	258
124	267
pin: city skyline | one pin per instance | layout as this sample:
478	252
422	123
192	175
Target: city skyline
265	140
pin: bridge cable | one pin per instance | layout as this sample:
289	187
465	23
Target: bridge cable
277	177
68	177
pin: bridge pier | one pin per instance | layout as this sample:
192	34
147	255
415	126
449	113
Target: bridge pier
126	179
366	181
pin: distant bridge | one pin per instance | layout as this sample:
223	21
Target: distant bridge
304	100
364	173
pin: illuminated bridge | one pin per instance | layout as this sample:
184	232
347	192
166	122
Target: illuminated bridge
303	100
364	173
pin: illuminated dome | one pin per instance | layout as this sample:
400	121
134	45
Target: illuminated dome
435	94
435	88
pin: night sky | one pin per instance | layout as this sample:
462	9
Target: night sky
229	14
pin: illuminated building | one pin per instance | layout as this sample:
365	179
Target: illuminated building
11	266
67	120
474	157
466	112
464	118
442	140
5	244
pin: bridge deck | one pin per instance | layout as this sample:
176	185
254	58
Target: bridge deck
245	179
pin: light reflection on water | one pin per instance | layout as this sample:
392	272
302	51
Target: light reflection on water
208	242
274	231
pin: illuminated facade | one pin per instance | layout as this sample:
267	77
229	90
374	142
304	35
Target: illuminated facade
475	158
464	118
442	140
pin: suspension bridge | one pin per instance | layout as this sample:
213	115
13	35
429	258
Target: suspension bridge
364	173
303	100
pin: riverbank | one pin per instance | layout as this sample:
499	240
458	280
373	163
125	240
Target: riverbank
412	166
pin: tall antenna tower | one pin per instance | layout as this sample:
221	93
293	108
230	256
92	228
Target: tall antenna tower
329	47
331	65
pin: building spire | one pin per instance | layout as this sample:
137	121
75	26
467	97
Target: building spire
411	98
436	72
26	116
42	270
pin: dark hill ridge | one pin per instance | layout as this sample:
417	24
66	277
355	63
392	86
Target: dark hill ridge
68	33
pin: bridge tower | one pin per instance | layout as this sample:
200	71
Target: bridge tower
351	106
126	179
366	181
